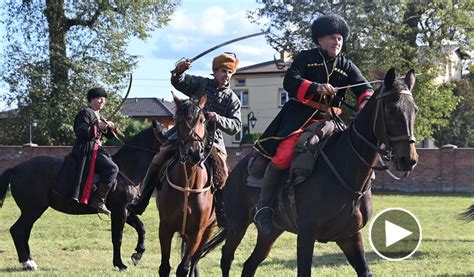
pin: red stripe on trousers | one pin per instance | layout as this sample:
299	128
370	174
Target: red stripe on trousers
86	192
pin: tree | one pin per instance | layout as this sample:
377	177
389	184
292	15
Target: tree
460	127
400	34
56	50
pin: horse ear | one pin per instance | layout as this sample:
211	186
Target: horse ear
177	101
202	101
410	79
389	78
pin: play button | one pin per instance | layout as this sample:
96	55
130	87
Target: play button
395	234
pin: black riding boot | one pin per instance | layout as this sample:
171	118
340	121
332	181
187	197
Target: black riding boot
138	205
97	200
264	213
219	207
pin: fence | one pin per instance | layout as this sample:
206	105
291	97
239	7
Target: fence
445	169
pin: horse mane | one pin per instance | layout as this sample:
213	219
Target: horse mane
139	139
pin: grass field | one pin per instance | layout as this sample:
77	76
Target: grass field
65	245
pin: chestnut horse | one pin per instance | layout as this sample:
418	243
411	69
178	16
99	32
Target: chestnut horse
32	184
185	200
334	202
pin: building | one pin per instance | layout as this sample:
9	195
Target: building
148	109
452	67
261	93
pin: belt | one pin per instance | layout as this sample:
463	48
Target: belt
323	107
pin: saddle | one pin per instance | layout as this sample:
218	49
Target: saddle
314	137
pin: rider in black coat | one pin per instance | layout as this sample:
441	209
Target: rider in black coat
88	156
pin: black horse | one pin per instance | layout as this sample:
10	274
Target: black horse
334	202
32	184
468	214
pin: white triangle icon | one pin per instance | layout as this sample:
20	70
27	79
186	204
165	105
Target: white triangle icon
394	233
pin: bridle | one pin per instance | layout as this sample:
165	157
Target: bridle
385	153
184	158
193	136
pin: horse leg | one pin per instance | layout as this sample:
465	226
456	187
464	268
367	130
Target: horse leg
119	216
260	252
195	259
134	221
20	232
353	248
192	245
165	236
305	247
231	243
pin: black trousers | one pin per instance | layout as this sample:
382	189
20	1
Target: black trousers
105	167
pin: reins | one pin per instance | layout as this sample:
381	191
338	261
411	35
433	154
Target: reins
381	152
182	159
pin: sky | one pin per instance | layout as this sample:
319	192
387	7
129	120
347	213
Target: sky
195	27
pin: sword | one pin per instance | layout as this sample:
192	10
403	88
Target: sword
216	47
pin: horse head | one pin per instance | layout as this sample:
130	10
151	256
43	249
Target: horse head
394	122
191	127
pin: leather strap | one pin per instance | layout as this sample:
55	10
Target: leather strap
323	107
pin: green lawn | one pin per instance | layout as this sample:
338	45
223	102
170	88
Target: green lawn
78	245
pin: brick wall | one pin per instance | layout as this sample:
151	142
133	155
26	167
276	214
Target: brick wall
446	169
13	155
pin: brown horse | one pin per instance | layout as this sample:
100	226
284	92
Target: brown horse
32	184
185	200
334	202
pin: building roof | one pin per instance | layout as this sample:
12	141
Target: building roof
152	106
9	114
274	66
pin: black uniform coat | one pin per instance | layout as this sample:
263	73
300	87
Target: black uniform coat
309	68
77	164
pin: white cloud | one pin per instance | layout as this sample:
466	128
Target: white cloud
182	22
213	21
254	50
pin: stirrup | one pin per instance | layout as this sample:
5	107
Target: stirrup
259	210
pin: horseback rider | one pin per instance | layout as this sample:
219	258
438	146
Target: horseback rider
88	156
223	108
311	81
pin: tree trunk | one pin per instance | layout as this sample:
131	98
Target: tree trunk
57	61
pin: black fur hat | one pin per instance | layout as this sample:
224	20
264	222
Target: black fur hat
95	93
329	24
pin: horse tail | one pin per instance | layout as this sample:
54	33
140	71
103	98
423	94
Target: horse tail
213	242
468	214
4	183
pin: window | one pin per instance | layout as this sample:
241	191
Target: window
283	94
239	82
244	98
238	137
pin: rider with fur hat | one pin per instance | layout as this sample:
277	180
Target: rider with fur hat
223	108
310	82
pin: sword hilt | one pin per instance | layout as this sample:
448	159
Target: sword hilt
183	59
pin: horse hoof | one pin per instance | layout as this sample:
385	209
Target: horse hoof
29	265
136	257
121	267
